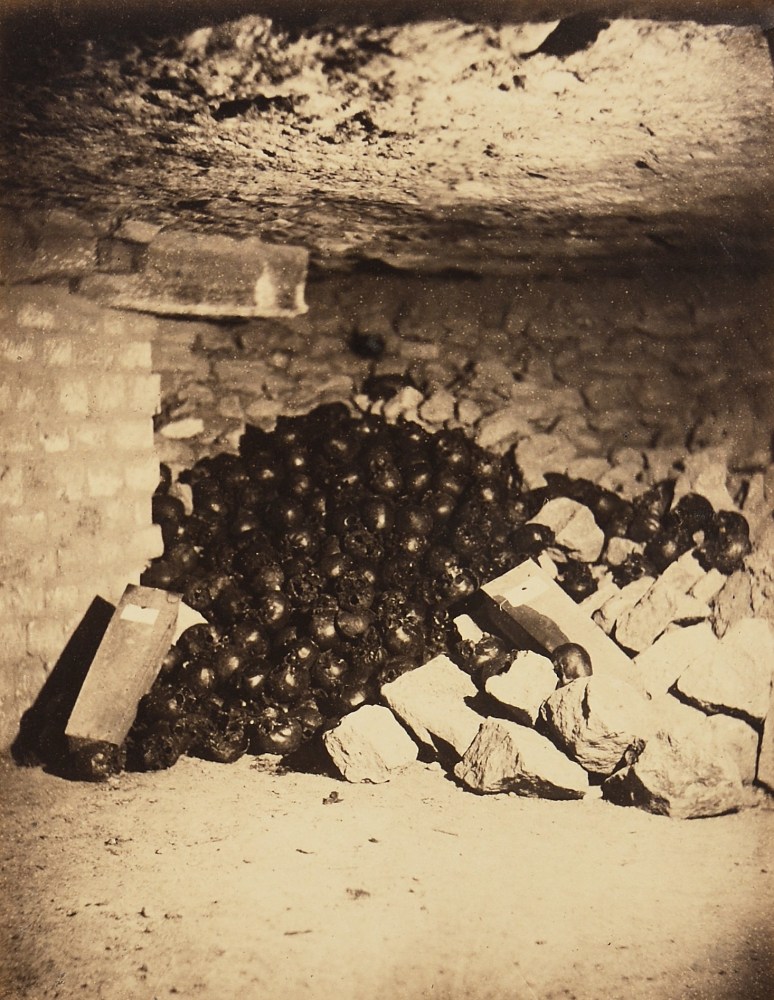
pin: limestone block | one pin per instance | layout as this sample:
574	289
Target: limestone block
507	757
468	412
595	720
541	453
370	745
737	677
764	774
734	742
179	430
659	666
587	467
574	527
431	701
438	408
676	777
749	592
405	403
524	686
619	548
621	603
467	629
207	275
498	431
709	586
706	473
662	604
606	590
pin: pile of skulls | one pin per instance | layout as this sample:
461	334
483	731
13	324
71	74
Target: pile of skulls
336	553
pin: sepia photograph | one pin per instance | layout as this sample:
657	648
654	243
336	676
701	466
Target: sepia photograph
387	499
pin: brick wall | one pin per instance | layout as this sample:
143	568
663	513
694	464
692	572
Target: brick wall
77	470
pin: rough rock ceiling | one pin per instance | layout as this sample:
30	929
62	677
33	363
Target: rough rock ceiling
430	144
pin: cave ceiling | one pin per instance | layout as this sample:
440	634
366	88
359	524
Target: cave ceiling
431	143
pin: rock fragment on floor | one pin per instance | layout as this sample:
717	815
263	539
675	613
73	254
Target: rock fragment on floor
524	686
507	757
737	674
595	720
370	745
675	777
432	702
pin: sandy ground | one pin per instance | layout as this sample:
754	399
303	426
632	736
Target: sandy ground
210	881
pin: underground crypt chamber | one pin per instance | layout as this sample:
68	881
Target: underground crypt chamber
426	366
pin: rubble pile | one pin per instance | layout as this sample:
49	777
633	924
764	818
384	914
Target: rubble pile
374	590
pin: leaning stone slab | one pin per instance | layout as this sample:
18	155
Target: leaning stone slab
524	686
738	676
659	666
431	702
574	528
595	720
525	600
198	274
507	757
675	777
662	604
370	745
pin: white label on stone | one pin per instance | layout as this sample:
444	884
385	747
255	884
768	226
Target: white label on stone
136	613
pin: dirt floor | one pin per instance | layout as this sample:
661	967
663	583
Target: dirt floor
211	881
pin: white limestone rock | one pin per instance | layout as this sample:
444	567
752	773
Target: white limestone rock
574	527
737	677
621	603
706	473
606	590
405	403
431	702
764	774
709	586
467	629
619	548
659	666
662	604
370	745
524	686
594	720
676	777
180	430
438	407
507	757
735	742
498	431
719	737
541	453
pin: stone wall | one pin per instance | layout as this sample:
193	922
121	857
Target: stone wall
672	361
